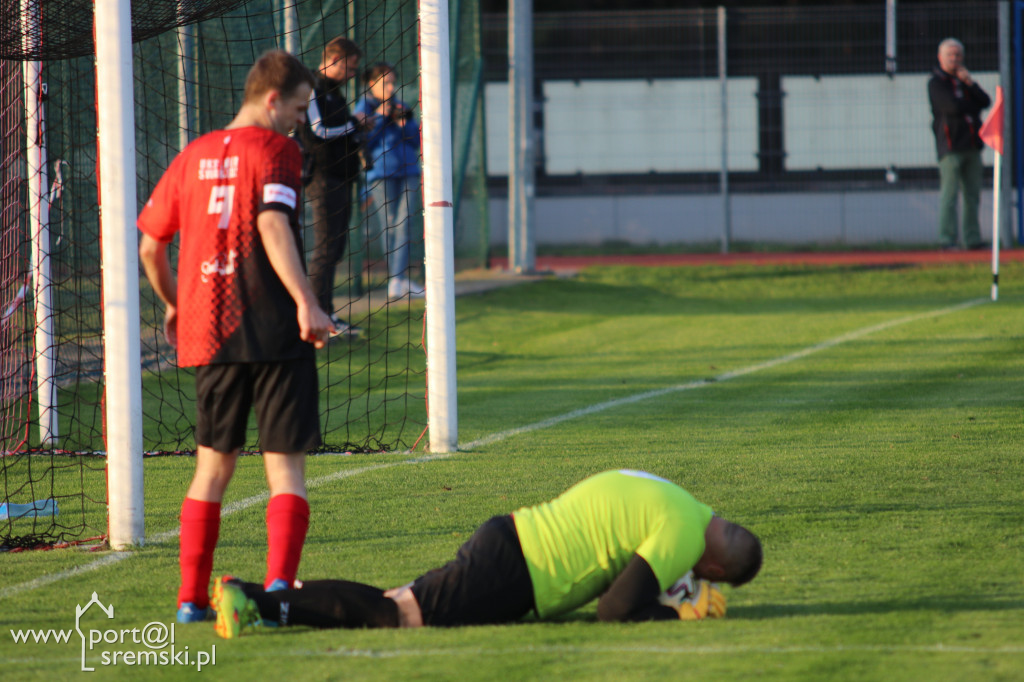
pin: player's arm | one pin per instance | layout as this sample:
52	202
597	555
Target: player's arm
943	100
634	596
979	96
157	264
279	243
325	132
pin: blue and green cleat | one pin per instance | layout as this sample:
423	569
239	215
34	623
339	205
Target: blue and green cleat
277	585
235	611
188	612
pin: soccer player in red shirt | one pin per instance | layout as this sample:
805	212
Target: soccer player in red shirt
241	311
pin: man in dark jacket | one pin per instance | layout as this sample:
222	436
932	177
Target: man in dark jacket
957	102
331	137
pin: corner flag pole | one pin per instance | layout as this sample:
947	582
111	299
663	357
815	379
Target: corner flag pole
996	175
991	133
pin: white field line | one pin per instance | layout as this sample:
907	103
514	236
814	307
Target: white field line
671	650
227	510
240	505
569	649
768	364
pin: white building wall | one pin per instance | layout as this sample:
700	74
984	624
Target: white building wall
844	218
671	126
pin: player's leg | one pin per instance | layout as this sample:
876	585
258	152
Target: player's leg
487	582
949	181
398	233
223	399
381	207
318	257
407	207
286	400
200	527
404	195
287	516
326	248
410	615
328	604
970	182
340	206
318	603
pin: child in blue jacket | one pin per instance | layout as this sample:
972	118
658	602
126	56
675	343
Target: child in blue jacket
393	147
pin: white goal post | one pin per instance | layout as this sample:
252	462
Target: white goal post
39	226
115	109
438	225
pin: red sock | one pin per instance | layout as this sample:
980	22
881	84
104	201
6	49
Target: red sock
287	523
200	525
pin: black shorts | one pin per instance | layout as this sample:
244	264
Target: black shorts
285	395
487	582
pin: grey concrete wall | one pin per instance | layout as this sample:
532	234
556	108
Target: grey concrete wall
851	218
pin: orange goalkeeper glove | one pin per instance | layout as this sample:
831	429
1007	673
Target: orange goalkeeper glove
707	601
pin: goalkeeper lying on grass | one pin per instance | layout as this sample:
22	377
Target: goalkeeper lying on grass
641	543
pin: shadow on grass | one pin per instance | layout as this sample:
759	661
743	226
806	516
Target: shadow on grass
859	608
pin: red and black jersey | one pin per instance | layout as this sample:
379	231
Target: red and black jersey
232	306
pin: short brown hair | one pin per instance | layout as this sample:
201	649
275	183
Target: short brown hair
379	70
276	70
339	48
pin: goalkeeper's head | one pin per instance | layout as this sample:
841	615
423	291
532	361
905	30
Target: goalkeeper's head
732	554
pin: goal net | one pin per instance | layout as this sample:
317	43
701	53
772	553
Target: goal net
190	61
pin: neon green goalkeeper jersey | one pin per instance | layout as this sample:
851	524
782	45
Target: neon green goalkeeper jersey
577	544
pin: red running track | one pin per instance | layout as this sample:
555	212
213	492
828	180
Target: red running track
556	263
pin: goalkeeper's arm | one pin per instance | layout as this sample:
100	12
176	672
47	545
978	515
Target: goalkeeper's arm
634	596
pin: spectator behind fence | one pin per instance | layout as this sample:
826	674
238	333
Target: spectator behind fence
331	138
957	101
393	147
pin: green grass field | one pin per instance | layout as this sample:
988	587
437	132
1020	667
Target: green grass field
866	423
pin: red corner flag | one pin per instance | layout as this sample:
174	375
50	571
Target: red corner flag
991	132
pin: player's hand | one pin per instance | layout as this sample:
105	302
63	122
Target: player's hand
707	601
680	591
399	114
716	609
963	75
315	326
171	325
366	122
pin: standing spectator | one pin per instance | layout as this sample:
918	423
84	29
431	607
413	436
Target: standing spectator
957	102
393	147
243	314
332	139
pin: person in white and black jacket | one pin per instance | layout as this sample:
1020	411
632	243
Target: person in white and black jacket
331	139
957	102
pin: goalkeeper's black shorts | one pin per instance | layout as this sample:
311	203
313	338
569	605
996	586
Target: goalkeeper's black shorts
487	582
